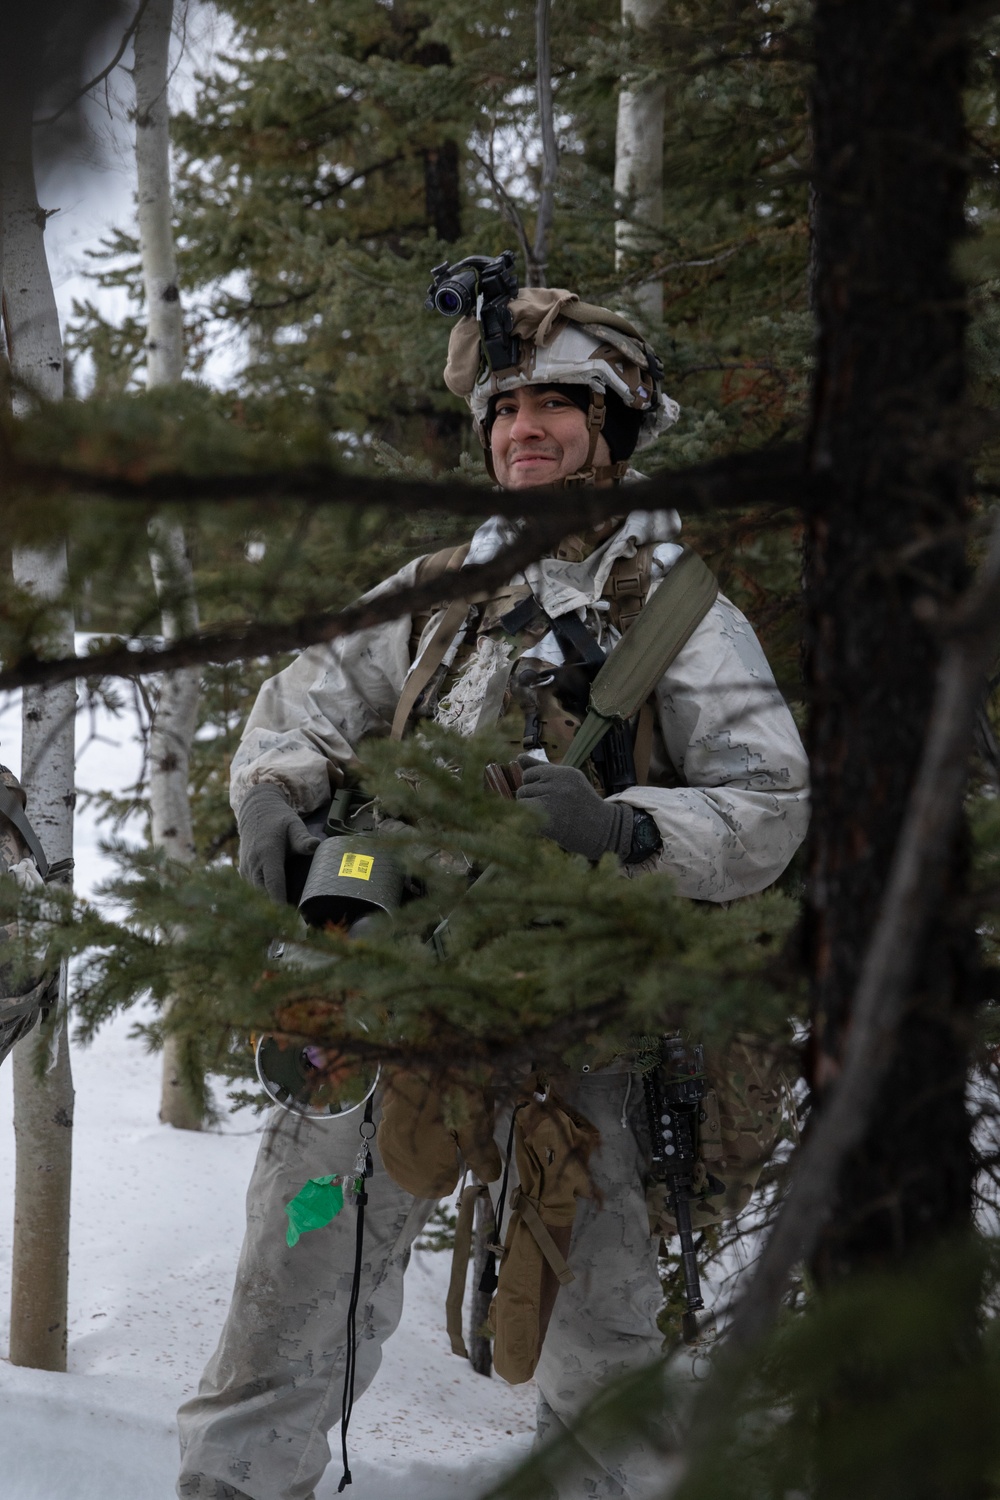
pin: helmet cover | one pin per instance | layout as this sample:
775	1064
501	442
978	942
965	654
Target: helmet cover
563	342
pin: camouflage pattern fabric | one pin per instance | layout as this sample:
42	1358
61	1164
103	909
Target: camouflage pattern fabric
22	997
272	1391
728	790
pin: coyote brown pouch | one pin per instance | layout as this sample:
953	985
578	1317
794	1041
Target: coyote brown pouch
552	1146
426	1133
504	780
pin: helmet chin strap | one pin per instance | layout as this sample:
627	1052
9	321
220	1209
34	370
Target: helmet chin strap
589	473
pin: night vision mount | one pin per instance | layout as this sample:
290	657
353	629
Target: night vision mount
481	288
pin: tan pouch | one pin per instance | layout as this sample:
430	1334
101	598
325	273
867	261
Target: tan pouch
425	1134
553	1145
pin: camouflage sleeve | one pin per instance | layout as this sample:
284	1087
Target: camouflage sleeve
741	811
307	720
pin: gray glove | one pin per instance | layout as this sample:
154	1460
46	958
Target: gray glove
270	830
576	817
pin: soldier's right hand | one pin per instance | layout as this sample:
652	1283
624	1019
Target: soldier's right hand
270	829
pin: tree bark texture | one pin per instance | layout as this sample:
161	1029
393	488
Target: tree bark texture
881	534
43	1108
537	270
165	338
639	168
484	1234
175	716
174	721
442	190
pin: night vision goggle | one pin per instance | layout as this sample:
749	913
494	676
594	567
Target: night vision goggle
480	287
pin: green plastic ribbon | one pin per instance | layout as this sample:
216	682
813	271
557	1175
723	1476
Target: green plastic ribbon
314	1206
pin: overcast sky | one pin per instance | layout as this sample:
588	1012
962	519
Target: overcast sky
95	191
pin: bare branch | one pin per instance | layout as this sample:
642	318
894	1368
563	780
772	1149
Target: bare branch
105	72
508	208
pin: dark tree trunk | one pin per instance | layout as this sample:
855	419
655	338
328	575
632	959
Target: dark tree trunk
442	190
891	181
480	1344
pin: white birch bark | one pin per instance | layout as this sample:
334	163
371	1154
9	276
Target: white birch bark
176	713
175	719
43	1108
639	167
165	334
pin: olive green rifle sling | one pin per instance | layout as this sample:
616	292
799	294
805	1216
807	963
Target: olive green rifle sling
665	624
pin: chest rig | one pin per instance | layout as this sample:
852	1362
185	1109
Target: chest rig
535	703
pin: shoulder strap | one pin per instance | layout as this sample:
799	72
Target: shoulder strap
666	623
437	564
449	560
464	1228
627	586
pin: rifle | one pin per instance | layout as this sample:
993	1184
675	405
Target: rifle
673	1088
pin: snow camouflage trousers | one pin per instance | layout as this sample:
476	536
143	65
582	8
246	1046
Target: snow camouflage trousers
272	1391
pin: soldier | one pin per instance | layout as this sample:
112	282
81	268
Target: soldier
562	393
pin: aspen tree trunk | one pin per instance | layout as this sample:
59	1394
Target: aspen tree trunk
43	1108
639	167
176	714
165	337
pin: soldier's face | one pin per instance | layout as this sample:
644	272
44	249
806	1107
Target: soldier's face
539	437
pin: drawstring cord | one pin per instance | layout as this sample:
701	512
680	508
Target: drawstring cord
628	1093
363	1169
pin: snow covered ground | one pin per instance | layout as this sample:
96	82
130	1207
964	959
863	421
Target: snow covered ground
157	1223
157	1220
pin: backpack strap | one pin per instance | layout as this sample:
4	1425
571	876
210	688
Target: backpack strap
666	623
459	1267
449	560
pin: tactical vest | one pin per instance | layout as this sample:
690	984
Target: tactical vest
624	593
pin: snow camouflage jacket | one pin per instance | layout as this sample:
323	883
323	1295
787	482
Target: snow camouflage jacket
728	777
727	783
22	997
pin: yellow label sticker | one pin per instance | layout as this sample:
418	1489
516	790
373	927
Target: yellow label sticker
357	866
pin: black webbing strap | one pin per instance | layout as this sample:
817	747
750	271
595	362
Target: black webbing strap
347	1403
488	1280
571	631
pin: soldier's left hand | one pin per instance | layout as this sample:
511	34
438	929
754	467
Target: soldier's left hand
576	817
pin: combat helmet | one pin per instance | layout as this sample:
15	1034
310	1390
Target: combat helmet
547	336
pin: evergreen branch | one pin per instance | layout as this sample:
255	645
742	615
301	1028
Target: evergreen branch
772	475
775	477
